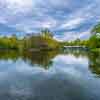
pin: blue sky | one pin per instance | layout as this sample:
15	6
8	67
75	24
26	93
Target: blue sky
68	19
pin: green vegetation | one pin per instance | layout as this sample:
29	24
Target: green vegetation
9	42
94	40
96	29
76	42
45	41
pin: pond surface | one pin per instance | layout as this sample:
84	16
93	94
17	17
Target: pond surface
66	75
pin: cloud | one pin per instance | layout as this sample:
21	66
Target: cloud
72	23
63	17
70	36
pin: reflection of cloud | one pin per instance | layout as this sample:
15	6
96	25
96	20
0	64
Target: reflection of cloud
70	59
70	36
67	77
71	65
67	64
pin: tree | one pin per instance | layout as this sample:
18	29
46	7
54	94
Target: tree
96	29
94	40
13	41
46	33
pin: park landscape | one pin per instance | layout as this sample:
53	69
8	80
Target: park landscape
49	50
42	57
45	41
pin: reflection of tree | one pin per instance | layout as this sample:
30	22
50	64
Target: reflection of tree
42	58
94	59
95	63
76	52
9	54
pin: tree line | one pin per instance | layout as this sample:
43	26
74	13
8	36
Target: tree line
93	42
45	40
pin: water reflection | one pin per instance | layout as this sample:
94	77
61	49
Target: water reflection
44	59
40	58
54	75
95	63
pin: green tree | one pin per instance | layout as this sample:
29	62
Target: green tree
46	33
96	29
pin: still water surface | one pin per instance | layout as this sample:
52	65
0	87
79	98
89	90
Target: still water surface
68	75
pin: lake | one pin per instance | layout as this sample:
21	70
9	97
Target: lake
50	75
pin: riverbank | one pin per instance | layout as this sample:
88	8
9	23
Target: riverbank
95	50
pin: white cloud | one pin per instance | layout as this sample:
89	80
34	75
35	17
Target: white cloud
67	36
32	15
73	23
19	5
70	36
69	60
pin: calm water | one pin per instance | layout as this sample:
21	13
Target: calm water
66	75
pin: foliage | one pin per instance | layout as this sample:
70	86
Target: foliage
46	33
96	29
9	42
43	41
94	40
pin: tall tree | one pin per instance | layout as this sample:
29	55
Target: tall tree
46	33
96	29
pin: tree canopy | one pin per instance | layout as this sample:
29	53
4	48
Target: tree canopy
96	28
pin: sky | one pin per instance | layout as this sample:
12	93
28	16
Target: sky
67	19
